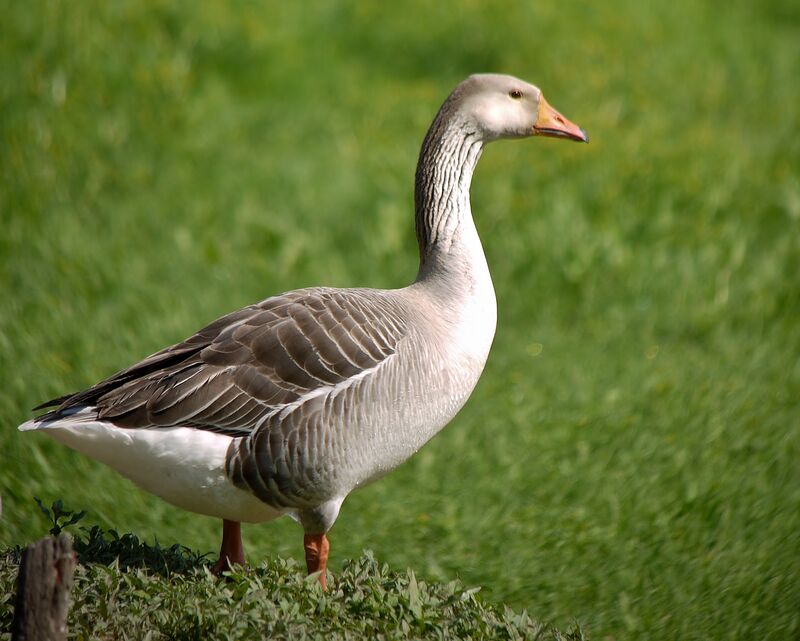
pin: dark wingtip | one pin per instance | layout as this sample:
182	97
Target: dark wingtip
585	136
53	402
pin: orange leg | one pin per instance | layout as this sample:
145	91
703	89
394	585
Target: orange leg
317	547
232	550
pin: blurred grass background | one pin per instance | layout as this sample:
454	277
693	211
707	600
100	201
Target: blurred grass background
630	458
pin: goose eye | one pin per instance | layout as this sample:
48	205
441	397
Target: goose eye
516	94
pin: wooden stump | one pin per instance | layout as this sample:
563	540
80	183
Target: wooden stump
43	584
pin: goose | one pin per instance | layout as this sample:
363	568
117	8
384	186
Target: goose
286	406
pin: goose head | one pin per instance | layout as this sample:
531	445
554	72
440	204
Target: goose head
499	106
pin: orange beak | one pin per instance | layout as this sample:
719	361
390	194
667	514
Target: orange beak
551	123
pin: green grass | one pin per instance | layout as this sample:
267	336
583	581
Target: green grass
629	459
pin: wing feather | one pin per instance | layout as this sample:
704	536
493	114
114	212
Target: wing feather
251	364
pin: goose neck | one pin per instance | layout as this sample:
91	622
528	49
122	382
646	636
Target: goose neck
447	161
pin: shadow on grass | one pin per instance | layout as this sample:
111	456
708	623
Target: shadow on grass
107	546
127	552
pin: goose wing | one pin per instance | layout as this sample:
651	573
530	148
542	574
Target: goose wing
250	364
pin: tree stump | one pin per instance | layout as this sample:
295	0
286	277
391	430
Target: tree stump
43	584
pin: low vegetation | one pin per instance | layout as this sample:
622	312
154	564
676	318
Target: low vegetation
127	589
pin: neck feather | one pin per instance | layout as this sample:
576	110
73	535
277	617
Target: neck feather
447	161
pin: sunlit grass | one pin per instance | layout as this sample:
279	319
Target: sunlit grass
629	458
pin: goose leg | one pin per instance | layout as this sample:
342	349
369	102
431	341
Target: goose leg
317	547
232	549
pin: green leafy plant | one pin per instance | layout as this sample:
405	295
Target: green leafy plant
96	545
127	551
56	515
113	600
126	588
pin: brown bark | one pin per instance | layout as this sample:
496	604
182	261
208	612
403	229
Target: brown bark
43	584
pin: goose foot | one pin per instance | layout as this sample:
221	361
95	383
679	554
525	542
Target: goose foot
232	550
317	547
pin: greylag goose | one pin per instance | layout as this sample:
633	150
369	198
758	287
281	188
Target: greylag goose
286	406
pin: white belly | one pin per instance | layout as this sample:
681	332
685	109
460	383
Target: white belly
182	465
